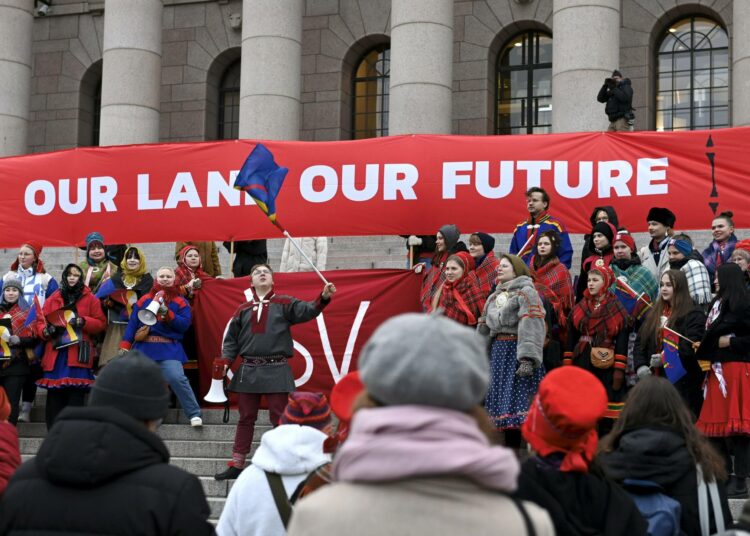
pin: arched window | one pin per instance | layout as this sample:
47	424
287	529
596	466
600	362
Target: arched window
370	94
524	85
90	106
693	80
229	103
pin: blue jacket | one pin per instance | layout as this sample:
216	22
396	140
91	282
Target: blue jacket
172	326
545	222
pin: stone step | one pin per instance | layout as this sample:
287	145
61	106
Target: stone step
200	449
182	432
207	467
216	488
216	504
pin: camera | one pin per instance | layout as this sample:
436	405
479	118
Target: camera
610	82
42	8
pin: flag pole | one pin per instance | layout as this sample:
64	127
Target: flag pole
639	296
520	251
299	248
679	335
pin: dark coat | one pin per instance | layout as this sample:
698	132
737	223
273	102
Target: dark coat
661	456
99	471
619	99
247	253
580	504
692	326
729	322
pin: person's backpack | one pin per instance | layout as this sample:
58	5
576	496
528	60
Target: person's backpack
661	512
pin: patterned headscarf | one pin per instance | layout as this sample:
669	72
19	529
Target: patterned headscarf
131	277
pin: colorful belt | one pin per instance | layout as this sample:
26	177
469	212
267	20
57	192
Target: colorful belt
157	338
506	337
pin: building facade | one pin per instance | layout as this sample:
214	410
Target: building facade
133	71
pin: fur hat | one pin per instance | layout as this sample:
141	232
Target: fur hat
661	215
133	384
425	360
563	416
488	241
307	409
626	238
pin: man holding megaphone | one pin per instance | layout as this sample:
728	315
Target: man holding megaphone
157	324
259	334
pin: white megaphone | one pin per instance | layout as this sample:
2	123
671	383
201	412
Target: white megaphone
216	393
147	316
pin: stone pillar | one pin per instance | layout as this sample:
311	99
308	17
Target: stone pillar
421	67
270	84
740	63
131	72
585	51
16	23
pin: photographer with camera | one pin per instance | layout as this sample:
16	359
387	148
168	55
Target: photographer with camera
618	94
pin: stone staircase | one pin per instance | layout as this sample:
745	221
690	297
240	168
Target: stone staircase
200	451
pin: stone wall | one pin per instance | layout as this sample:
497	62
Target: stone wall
199	43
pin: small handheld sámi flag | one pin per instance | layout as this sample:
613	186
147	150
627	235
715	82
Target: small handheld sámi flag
673	368
261	177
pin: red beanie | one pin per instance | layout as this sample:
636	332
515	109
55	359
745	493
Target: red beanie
563	416
307	409
625	237
4	405
744	245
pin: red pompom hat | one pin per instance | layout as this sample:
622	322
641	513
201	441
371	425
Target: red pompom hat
563	417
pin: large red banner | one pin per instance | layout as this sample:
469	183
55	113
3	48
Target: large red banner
394	185
325	349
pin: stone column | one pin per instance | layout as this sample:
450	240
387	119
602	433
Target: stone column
270	85
131	72
585	51
16	22
421	67
740	63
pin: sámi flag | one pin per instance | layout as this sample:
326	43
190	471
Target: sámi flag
261	177
673	368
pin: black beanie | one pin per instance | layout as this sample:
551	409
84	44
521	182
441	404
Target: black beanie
662	215
133	384
488	242
607	229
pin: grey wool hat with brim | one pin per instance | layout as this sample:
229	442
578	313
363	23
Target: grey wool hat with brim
427	360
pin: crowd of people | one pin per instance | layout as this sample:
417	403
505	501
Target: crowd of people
665	310
609	402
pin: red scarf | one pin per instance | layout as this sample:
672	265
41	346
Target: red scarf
170	293
461	300
599	320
